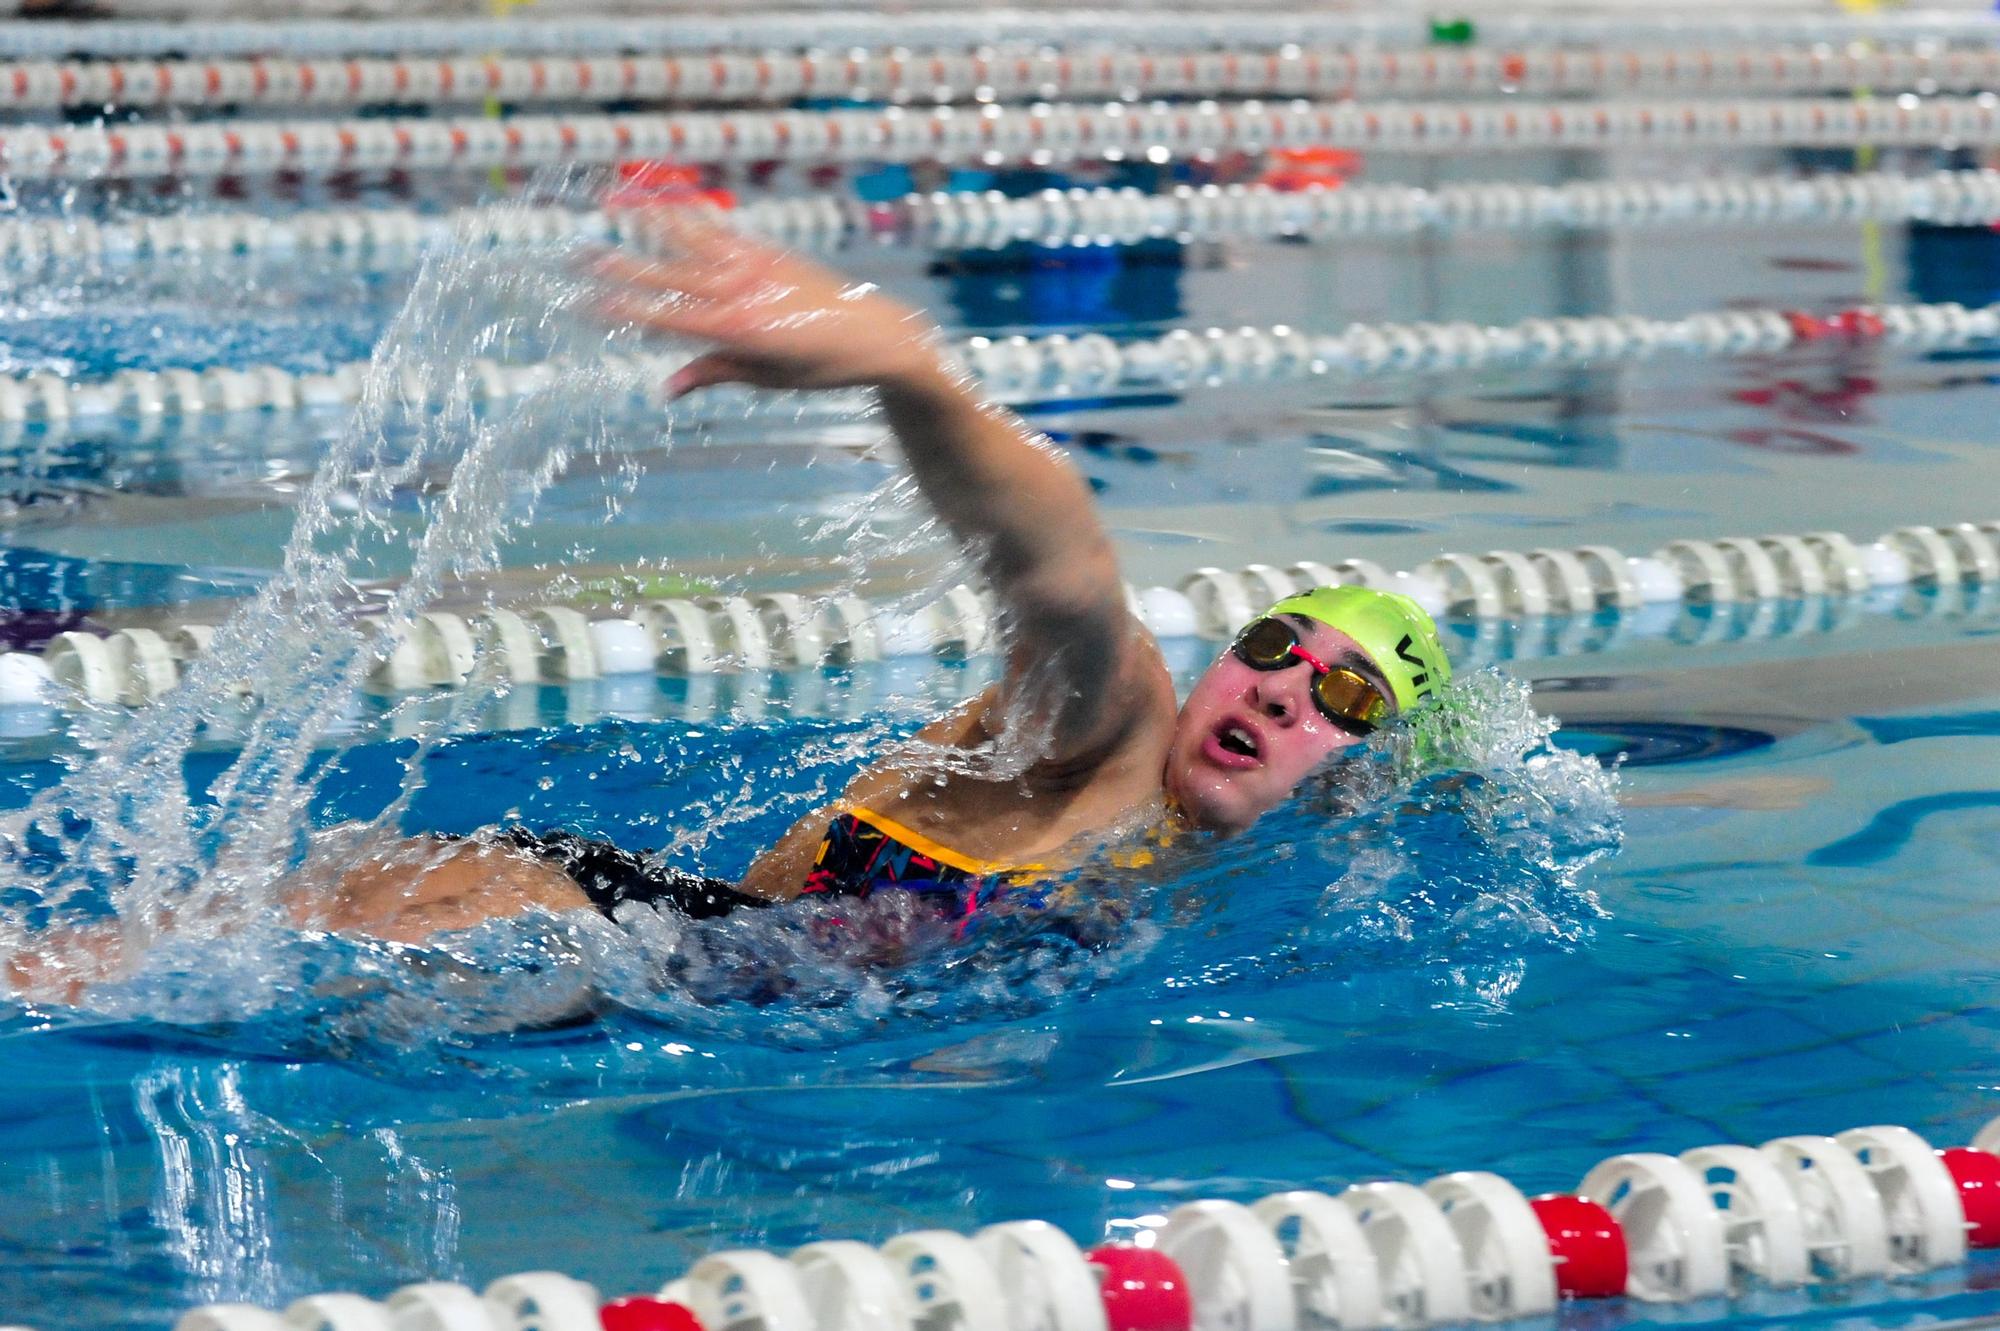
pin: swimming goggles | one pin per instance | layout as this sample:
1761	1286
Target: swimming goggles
1349	700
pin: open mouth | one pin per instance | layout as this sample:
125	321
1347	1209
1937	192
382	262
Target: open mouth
1234	744
1235	739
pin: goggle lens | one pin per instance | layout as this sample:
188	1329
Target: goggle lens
1346	697
1267	644
1343	696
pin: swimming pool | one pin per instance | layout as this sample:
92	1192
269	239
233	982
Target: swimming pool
1784	929
1751	972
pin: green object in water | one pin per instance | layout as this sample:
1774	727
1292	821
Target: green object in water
1453	32
628	587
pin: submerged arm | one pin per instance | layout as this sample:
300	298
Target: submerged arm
58	964
781	322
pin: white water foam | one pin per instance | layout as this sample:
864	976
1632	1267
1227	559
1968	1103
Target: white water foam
194	884
127	828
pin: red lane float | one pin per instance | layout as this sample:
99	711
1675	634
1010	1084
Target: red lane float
645	1314
1858	324
1293	170
1854	325
1586	1244
1144	1290
647	183
1977	1174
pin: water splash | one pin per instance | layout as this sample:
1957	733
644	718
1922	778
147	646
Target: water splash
1396	881
1442	850
193	880
130	831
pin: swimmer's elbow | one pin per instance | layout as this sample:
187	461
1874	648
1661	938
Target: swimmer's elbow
1077	597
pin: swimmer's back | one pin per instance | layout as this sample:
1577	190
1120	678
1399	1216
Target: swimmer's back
1036	818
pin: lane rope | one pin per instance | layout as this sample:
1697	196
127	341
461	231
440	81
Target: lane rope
953	221
898	74
1043	134
1056	366
1714	1221
1205	25
1747	586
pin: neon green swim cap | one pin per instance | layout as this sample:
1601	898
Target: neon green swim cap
1401	639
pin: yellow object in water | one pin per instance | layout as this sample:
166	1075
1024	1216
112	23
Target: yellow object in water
500	9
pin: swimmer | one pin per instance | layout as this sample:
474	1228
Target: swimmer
1085	696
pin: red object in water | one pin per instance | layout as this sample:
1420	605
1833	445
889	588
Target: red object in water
1858	324
653	182
1144	1290
1587	1245
643	1314
884	219
659	175
1808	328
1295	170
1977	1174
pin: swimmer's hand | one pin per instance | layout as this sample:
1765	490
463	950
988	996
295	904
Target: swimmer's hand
1082	676
778	321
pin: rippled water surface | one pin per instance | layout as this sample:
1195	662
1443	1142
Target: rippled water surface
1779	917
1445	977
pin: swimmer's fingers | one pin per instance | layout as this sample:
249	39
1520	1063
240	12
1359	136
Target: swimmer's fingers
706	370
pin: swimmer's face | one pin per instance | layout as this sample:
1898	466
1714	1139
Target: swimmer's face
1246	738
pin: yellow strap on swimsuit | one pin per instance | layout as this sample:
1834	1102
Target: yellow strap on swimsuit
1135	857
943	854
863	852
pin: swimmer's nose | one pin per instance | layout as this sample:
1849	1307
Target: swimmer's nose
1270	697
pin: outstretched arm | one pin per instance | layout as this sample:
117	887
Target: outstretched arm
778	321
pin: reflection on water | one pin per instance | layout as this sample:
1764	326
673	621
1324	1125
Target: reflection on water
195	1192
1318	1005
1434	971
213	1205
313	1087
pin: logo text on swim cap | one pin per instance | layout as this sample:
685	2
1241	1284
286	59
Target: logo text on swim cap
1419	681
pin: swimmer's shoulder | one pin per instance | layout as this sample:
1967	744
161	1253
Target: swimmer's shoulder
1130	751
1158	705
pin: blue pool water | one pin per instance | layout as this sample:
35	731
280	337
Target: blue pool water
1788	925
1733	974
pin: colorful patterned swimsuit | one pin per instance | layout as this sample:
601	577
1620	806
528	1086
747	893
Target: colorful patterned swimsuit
864	853
861	854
